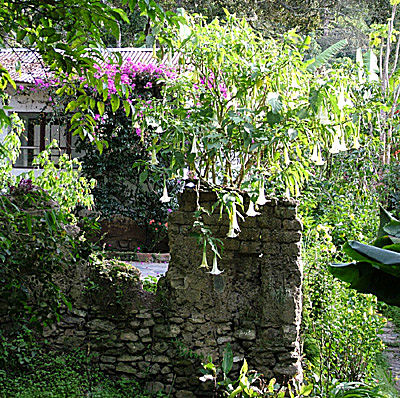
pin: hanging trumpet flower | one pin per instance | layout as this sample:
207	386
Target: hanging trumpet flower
233	222
215	270
314	156
204	260
165	198
154	160
261	200
194	145
322	115
356	143
335	145
251	212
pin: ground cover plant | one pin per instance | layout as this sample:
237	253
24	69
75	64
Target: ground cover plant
74	374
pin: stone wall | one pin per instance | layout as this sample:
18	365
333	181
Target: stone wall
255	304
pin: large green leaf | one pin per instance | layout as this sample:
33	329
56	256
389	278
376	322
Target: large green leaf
393	229
345	272
384	218
382	241
324	57
227	361
365	278
362	252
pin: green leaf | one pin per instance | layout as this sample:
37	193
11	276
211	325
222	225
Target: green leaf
227	361
115	102
326	55
382	241
244	368
369	280
393	228
127	107
347	272
306	390
361	252
100	107
384	218
143	176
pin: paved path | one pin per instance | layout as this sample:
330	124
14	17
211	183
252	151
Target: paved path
150	269
391	338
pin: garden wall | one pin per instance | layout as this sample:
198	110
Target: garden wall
255	304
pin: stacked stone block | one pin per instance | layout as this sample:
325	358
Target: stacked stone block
254	305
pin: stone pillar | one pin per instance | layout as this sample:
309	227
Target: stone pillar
255	304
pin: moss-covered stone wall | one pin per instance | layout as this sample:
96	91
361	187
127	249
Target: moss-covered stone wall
255	304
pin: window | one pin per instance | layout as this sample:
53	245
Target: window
40	130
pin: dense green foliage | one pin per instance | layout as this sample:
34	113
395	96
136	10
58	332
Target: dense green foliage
120	188
341	327
57	375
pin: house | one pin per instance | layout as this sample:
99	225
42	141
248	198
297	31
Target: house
34	106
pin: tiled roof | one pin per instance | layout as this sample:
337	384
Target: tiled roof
25	65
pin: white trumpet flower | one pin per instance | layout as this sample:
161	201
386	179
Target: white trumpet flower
165	198
251	212
322	115
204	259
314	156
194	146
233	222
356	144
231	232
335	145
261	200
215	270
234	217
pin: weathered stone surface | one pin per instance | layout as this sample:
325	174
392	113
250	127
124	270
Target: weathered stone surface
144	332
246	334
135	347
130	358
101	325
107	359
125	368
254	305
129	336
154	387
224	340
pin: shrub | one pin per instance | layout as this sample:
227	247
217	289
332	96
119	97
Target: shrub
37	243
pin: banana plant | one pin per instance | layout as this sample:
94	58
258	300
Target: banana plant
376	266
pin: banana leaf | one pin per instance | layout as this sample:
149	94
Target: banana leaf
385	260
382	242
365	278
384	218
393	228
